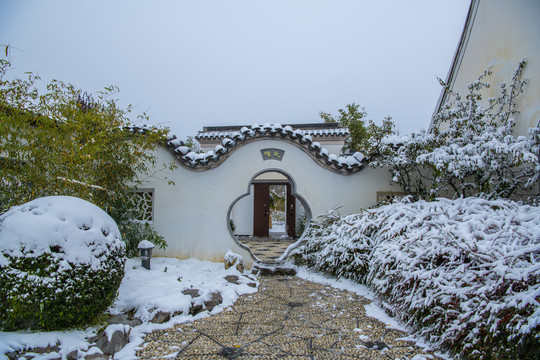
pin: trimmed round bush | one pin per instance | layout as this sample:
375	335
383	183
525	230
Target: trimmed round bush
61	263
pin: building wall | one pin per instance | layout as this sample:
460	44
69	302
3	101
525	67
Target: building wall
242	214
333	146
192	215
503	33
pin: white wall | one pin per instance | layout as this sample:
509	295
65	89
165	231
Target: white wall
192	215
242	214
332	148
504	32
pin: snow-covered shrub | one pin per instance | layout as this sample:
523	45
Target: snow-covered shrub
471	149
337	246
464	274
61	263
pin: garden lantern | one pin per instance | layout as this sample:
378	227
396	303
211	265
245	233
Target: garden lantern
145	247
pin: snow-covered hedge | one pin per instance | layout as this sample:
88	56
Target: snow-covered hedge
61	263
464	274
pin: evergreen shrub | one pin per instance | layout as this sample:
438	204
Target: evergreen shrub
61	263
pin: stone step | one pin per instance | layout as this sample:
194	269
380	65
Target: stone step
273	269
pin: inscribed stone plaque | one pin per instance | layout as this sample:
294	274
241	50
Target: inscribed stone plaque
272	154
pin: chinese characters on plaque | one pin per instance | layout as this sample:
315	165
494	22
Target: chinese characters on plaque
272	154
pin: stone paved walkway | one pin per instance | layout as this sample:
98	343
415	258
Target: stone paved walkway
288	318
267	249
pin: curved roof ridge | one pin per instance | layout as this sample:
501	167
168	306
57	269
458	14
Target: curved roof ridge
329	130
209	160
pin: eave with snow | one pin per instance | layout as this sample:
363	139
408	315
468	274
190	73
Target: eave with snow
218	185
218	145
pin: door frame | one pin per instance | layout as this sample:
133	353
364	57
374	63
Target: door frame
290	217
305	204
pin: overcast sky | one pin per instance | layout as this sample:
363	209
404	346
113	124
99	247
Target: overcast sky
194	63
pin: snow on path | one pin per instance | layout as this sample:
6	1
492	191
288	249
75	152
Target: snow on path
146	292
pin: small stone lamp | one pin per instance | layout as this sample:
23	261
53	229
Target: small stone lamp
145	247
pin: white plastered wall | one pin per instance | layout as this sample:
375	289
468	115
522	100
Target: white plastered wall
332	148
242	214
504	32
192	215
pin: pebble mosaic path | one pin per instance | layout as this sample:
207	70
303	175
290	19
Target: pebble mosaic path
267	249
288	318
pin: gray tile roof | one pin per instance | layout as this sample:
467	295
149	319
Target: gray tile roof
318	130
203	161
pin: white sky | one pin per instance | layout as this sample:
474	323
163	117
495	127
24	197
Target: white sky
238	62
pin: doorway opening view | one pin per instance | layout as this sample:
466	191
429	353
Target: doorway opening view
270	217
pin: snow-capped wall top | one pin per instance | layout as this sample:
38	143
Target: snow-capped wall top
203	161
320	129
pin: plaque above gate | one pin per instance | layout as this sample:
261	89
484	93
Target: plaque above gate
272	154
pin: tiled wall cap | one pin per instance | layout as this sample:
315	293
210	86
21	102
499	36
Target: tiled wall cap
209	160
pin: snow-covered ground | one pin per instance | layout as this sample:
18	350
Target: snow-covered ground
372	310
146	292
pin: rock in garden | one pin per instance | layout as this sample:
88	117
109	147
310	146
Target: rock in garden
231	259
191	292
113	338
233	279
124	320
161	317
96	357
215	299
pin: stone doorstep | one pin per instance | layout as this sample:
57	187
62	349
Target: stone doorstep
273	269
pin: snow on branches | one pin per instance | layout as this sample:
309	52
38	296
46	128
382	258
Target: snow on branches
471	150
464	274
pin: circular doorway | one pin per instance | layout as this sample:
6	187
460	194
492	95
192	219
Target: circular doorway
270	216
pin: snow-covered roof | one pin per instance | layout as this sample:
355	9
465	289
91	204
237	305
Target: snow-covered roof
457	59
319	130
203	161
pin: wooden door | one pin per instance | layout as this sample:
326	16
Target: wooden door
291	213
261	210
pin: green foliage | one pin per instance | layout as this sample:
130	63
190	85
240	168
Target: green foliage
365	138
66	142
133	231
300	225
277	197
36	294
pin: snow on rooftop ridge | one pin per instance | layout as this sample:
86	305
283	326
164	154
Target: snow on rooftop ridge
302	138
217	134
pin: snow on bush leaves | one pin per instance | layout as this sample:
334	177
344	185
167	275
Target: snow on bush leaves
61	263
464	274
